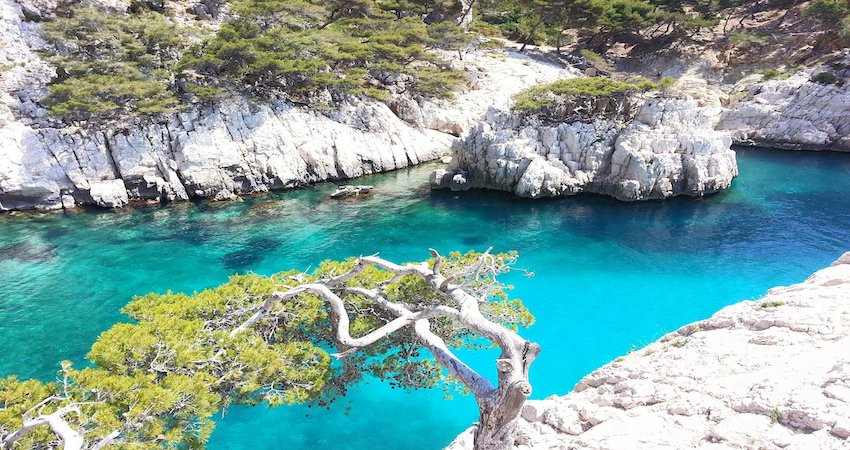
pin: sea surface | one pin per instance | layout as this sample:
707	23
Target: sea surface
609	276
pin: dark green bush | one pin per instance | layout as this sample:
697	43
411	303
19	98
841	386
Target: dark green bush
834	14
747	37
829	12
112	64
825	78
298	48
542	96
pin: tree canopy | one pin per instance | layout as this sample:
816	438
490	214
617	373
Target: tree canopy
157	381
115	64
545	21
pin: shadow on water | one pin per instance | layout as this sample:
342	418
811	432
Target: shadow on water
249	254
672	225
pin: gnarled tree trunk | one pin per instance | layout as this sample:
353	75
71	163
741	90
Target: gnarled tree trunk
500	409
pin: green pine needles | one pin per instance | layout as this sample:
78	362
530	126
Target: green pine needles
546	95
113	65
157	382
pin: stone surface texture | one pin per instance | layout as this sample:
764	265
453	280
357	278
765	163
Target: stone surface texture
238	147
773	373
665	148
794	113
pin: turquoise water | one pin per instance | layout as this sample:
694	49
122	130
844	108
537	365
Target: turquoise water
610	276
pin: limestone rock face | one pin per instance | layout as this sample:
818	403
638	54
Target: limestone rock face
214	153
794	113
767	374
237	147
666	148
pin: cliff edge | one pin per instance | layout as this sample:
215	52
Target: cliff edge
767	374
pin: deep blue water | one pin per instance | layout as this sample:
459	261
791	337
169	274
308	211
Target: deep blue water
610	276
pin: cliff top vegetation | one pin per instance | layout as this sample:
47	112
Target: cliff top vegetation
544	96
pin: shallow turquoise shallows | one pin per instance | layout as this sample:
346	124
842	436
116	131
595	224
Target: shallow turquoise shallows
610	276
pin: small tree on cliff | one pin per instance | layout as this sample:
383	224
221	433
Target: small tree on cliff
256	339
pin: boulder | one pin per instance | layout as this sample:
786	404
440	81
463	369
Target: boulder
656	148
794	113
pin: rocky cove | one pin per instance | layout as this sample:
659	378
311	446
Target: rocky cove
610	278
237	147
243	146
137	107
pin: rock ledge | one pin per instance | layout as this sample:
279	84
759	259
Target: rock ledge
767	374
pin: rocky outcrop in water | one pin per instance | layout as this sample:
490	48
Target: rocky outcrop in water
767	374
631	150
237	147
796	113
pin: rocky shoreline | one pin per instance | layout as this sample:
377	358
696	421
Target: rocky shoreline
773	373
794	114
242	146
236	147
660	147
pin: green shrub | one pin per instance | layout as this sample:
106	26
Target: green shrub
774	304
485	29
125	92
825	78
282	46
111	64
537	97
834	14
770	74
844	30
830	12
746	38
597	60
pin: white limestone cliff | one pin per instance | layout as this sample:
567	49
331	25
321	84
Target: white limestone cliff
795	113
234	148
666	148
773	373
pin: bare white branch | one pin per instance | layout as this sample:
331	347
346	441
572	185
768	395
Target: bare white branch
499	405
71	438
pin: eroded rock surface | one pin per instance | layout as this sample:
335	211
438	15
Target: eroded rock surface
795	113
664	147
767	374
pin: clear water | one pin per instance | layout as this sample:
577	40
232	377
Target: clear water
610	276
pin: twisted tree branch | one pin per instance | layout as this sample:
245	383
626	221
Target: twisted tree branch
71	438
500	405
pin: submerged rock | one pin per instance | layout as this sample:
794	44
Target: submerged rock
649	149
767	374
28	252
350	191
